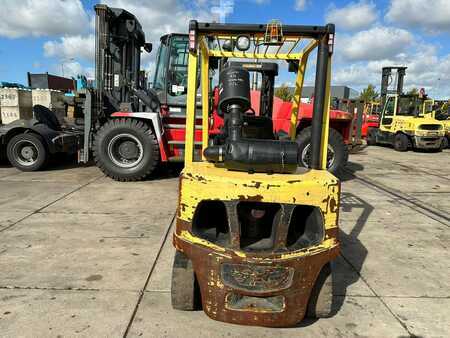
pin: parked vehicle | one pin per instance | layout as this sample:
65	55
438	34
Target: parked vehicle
402	123
255	234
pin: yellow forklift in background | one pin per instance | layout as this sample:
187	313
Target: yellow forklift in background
255	234
402	122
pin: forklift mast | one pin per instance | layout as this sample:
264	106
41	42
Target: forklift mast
386	81
119	80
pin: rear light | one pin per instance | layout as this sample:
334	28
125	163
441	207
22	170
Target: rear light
331	42
192	41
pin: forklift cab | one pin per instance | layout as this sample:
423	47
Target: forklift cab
255	234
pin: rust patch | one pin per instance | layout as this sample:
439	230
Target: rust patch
333	205
256	198
255	184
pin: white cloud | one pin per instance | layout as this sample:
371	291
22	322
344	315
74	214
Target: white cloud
425	69
433	16
72	69
300	5
354	16
67	47
42	18
374	44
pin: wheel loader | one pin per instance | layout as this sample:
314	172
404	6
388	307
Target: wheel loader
255	234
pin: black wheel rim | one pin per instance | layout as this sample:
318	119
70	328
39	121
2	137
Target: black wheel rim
125	150
305	157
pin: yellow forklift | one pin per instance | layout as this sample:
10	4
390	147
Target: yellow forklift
403	123
255	234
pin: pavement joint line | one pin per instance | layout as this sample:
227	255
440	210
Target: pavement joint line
147	281
43	288
429	192
377	296
51	203
429	211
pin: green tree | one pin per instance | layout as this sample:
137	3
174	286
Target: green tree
413	91
369	94
284	92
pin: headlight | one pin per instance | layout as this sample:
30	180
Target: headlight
243	43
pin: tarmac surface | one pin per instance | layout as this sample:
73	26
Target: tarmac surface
84	256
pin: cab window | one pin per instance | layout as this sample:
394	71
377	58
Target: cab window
390	106
178	64
160	73
408	106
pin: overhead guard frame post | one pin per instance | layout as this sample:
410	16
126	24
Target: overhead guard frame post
205	94
319	137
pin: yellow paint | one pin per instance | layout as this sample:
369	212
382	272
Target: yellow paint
191	107
297	96
186	235
205	94
205	181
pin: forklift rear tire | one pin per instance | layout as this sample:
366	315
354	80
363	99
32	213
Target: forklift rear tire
126	149
321	298
401	142
444	143
27	152
185	291
337	150
371	137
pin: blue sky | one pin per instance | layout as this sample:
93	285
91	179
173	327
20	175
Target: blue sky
56	36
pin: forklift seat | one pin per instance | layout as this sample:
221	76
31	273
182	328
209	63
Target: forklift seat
46	116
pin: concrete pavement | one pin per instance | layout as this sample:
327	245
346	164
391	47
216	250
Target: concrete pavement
82	255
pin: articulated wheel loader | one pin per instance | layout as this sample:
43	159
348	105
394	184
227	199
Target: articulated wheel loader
255	234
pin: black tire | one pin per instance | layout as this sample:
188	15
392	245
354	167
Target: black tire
27	152
335	142
320	304
371	137
401	142
185	292
444	143
142	144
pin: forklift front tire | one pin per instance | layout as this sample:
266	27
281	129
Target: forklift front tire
337	150
401	142
444	143
27	152
185	291
126	149
371	137
321	298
